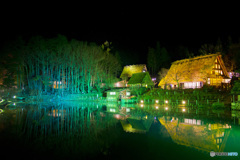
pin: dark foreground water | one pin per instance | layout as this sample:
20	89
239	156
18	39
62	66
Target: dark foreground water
111	131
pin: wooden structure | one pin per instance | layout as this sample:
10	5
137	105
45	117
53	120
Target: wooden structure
142	79
195	72
117	94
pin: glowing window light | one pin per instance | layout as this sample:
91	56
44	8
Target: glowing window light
183	102
156	101
112	93
112	110
166	101
190	121
198	122
166	108
194	121
141	101
183	109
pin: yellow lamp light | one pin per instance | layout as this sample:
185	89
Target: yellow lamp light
183	102
166	101
156	101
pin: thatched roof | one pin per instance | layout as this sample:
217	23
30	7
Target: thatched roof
141	78
131	69
193	69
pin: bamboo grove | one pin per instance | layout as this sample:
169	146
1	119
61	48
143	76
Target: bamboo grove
57	65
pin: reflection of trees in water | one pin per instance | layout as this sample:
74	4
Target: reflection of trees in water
71	129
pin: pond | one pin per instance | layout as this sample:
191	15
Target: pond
112	131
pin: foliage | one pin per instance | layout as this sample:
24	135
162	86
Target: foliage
236	87
157	58
162	73
74	66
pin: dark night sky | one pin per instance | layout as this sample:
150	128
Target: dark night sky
133	28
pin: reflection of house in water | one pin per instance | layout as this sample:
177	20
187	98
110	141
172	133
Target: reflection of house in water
195	133
56	113
137	124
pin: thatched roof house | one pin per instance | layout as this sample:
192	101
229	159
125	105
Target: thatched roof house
131	69
142	79
194	72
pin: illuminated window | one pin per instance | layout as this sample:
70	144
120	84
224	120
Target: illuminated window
112	93
112	110
198	122
194	121
190	121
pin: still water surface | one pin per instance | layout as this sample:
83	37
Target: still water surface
111	131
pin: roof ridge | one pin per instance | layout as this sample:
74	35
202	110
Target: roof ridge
196	58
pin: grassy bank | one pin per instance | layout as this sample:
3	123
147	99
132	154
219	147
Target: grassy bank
190	96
